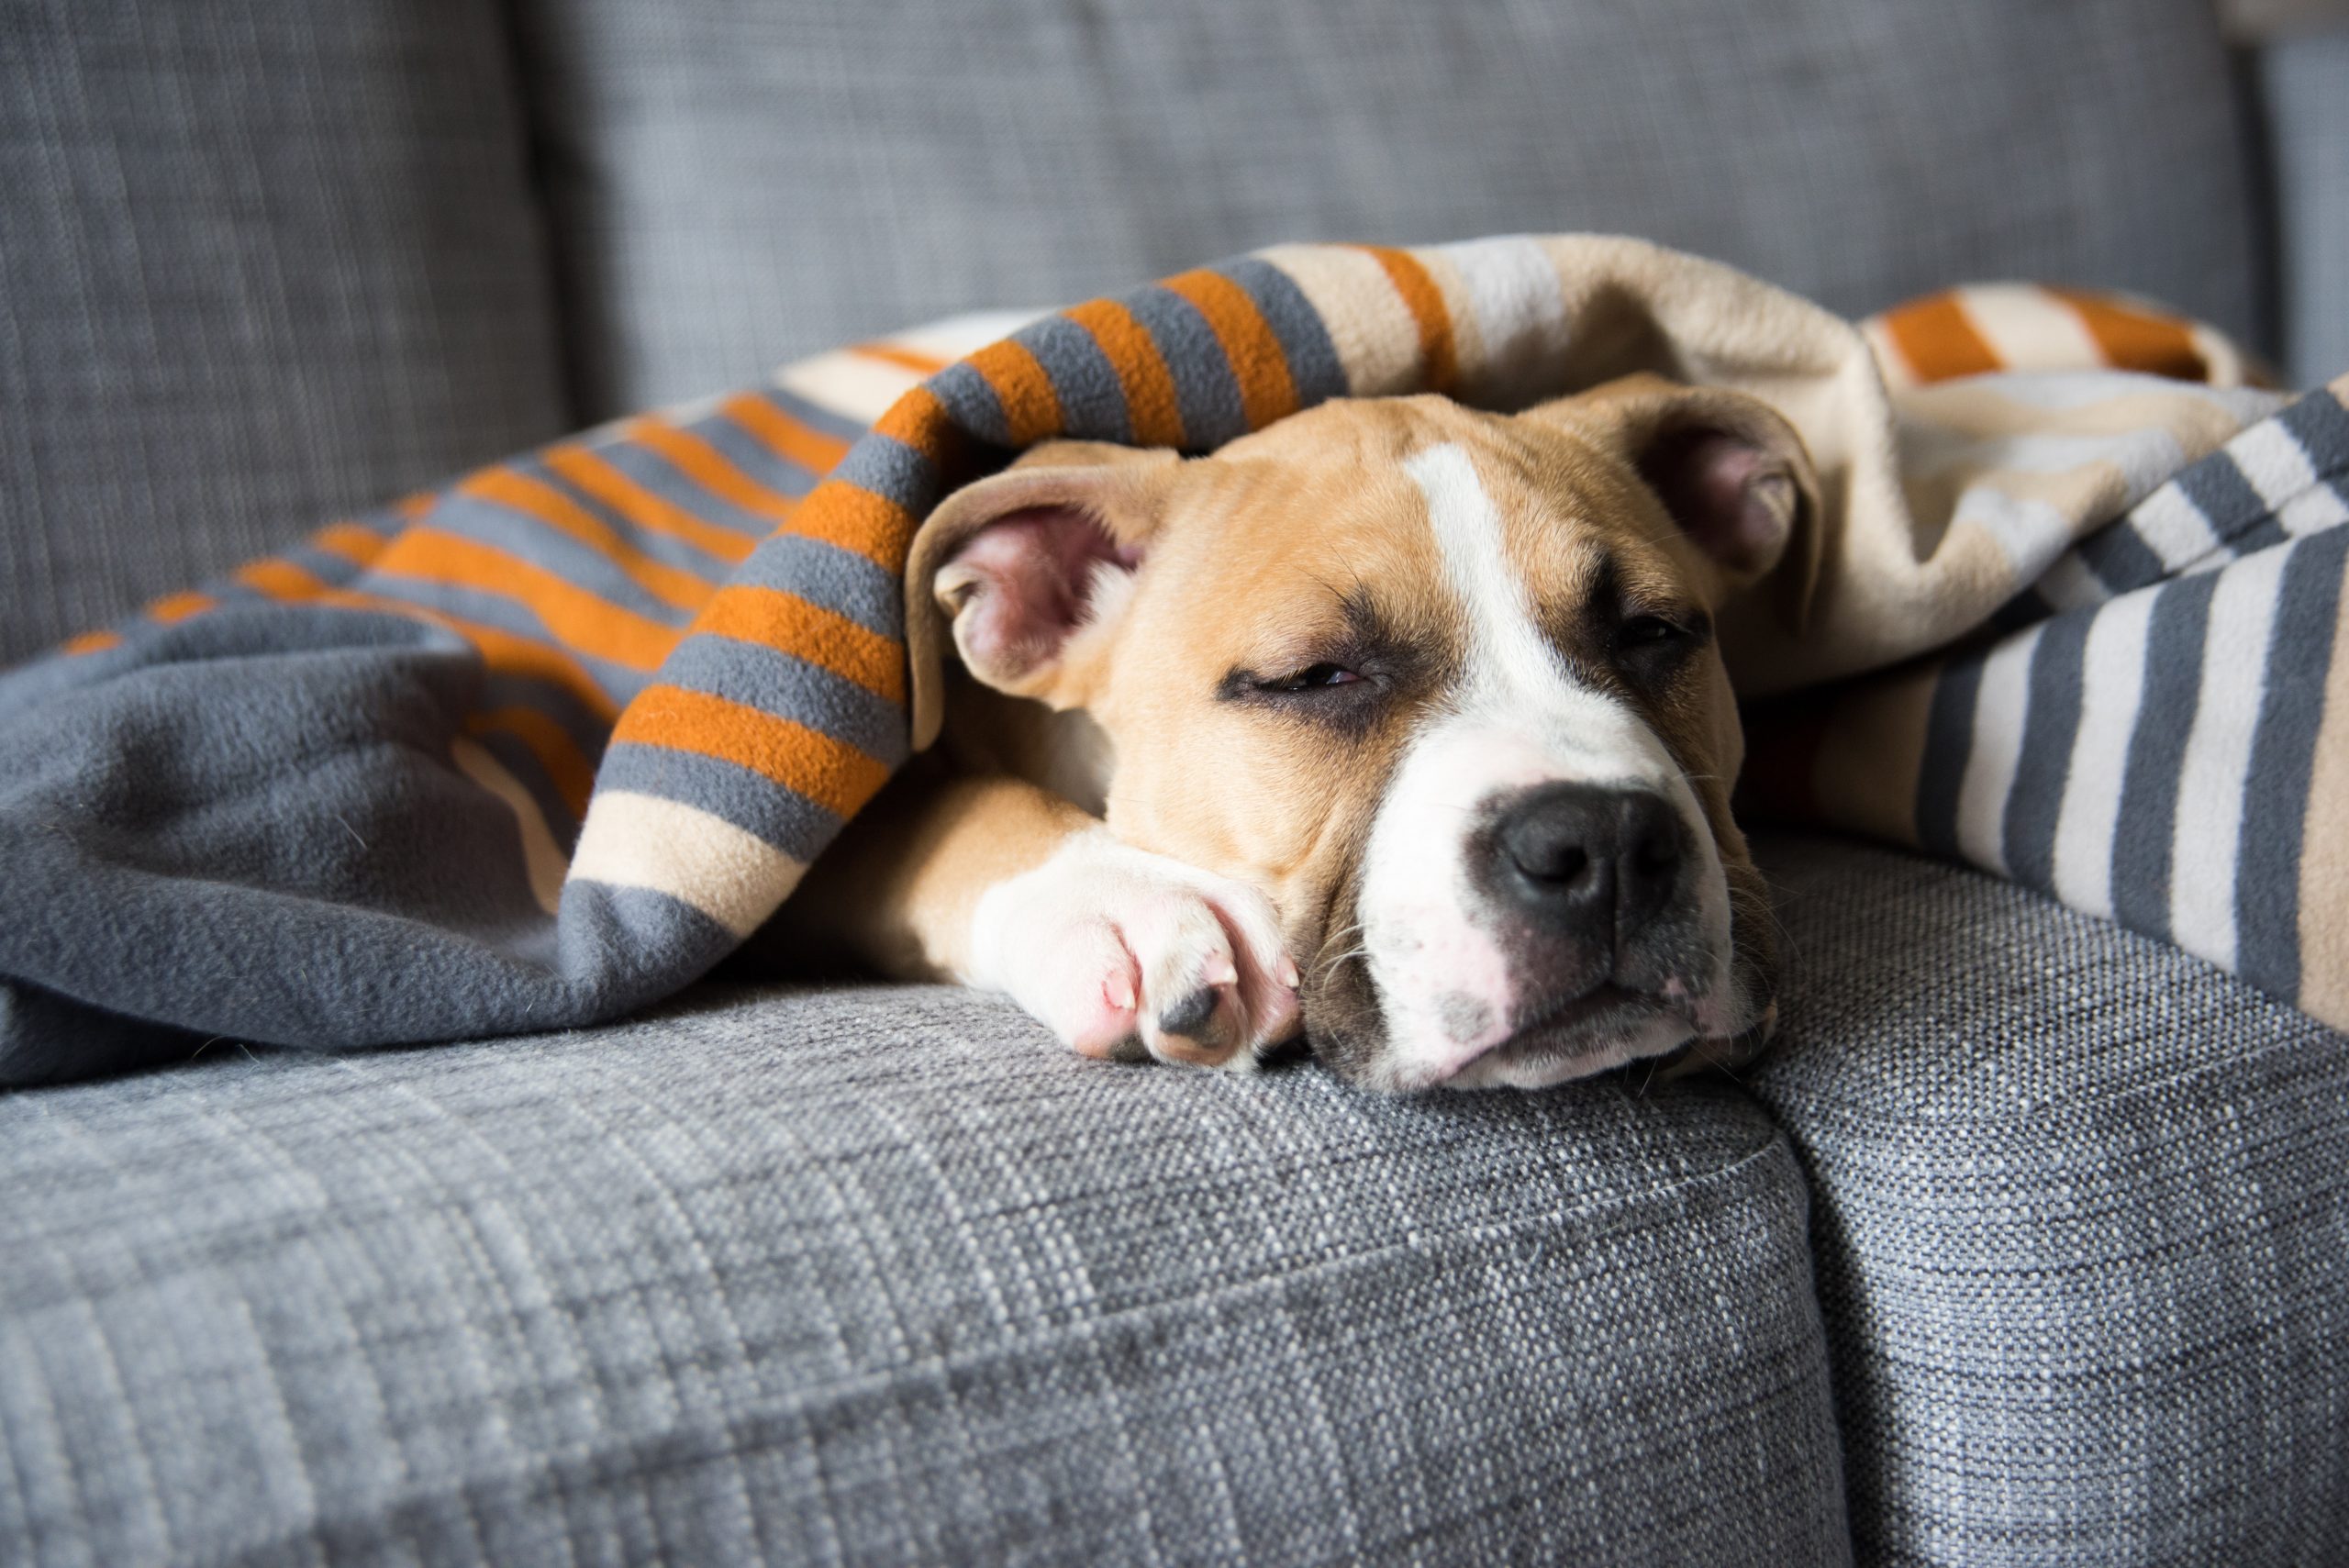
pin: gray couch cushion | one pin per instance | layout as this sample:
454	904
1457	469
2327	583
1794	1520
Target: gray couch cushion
2082	1205
736	183
259	262
882	1276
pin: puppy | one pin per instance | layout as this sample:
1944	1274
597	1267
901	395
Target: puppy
1397	723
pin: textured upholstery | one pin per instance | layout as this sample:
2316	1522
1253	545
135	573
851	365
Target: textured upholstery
258	262
884	1276
736	182
2083	1208
2306	82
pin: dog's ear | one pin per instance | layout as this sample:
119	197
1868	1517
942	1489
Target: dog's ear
1022	569
1731	470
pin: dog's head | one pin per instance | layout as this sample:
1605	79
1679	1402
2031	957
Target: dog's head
1442	683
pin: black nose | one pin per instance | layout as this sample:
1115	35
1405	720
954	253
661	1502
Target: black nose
1597	864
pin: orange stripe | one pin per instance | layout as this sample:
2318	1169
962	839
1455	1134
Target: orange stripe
280	580
1939	341
505	487
896	354
785	621
836	776
1030	407
1151	408
1438	362
1258	361
577	619
566	766
787	438
173	608
2137	340
91	642
856	519
598	477
918	420
355	544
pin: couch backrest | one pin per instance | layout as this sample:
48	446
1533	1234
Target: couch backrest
739	181
261	260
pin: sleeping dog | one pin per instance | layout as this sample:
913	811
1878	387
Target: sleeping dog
1395	722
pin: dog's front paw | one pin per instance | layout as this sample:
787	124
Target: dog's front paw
1108	944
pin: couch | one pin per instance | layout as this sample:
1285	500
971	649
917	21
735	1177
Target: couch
2027	1245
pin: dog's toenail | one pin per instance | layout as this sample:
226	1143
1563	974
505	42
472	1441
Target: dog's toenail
1189	1015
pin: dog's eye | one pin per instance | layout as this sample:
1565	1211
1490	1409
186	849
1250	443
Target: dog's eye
1646	631
1310	678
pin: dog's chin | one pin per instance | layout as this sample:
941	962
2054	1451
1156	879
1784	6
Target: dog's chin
1594	1034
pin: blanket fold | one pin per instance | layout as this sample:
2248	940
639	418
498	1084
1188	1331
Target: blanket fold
542	747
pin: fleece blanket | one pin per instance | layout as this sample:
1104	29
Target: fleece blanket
543	746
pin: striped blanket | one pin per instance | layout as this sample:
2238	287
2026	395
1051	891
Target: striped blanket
544	745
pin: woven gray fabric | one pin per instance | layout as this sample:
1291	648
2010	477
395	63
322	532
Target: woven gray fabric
2306	82
258	263
738	184
2082	1207
884	1276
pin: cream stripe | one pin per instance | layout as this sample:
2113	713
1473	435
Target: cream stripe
854	386
541	856
2173	527
2001	706
959	336
2112	684
2273	462
1374	331
2313	510
2324	851
665	846
1512	295
2030	329
2218	756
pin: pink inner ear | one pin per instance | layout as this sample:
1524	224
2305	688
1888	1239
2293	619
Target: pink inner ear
1733	498
1028	574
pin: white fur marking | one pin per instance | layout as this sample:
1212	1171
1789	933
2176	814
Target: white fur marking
1521	718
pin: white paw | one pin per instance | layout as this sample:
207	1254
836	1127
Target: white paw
1106	944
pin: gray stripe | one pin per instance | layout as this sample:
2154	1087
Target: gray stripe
2275	790
2120	558
657	474
752	802
2050	725
972	403
2321	427
892	470
549	549
1949	740
1204	390
631	946
764	466
2147	821
1093	401
667	548
777	684
823	574
2218	486
1313	363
